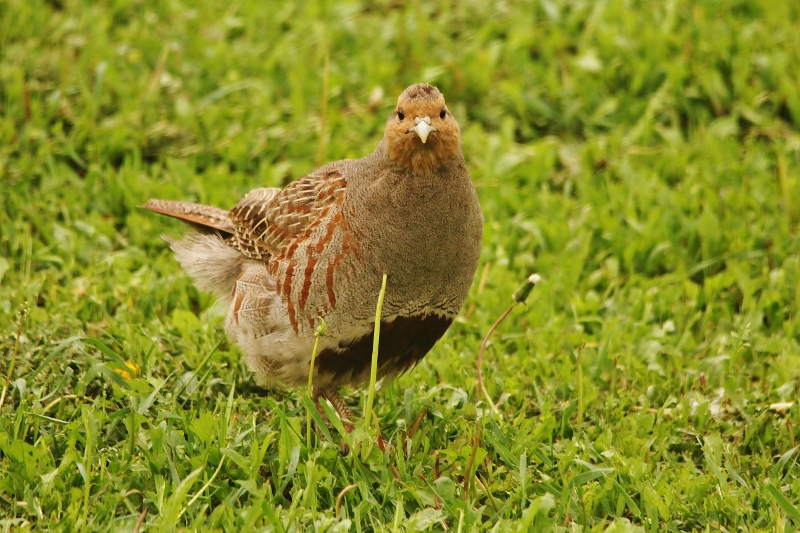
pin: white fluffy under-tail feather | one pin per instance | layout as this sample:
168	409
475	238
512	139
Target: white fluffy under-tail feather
212	263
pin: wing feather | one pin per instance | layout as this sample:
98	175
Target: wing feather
267	221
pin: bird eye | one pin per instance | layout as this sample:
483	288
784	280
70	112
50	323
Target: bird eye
443	113
400	114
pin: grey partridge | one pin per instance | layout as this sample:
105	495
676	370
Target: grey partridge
283	258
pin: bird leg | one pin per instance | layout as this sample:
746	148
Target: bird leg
344	413
338	404
341	409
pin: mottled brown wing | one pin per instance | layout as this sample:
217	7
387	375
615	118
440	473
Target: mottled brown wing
252	218
269	220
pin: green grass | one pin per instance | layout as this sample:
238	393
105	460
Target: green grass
643	157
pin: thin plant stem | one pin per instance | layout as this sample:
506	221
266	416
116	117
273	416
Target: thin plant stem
373	371
519	296
87	463
204	487
322	328
23	315
483	348
139	522
579	372
476	442
340	497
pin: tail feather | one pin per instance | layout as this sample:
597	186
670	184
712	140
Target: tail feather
204	218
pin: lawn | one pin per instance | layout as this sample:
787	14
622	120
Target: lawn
643	157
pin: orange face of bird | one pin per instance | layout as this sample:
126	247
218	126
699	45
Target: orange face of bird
422	134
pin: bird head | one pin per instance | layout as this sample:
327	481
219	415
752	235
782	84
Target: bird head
422	134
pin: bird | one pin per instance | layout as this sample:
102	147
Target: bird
284	259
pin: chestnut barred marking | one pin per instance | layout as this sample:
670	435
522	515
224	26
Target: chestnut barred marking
266	221
274	225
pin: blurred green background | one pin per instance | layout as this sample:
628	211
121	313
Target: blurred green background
641	156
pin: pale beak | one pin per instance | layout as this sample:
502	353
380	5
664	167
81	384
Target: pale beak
423	128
